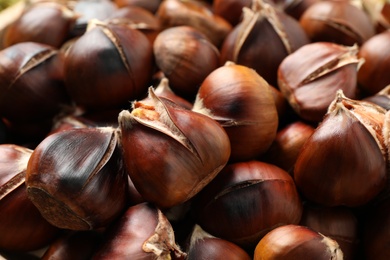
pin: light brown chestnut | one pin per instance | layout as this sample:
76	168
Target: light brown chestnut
22	227
242	102
195	14
337	21
248	43
297	242
344	160
142	232
186	57
170	152
310	77
245	201
77	179
108	66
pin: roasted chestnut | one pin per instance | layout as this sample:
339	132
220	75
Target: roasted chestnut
242	102
248	43
343	163
185	56
77	179
170	152
297	242
108	66
245	201
195	14
142	232
310	77
373	75
22	227
337	21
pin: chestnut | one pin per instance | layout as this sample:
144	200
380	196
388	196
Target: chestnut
170	152
185	56
242	102
343	163
31	83
43	22
76	178
96	84
287	144
310	77
294	8
373	74
337	21
297	242
22	227
338	223
195	14
248	43
230	10
142	232
76	245
150	5
382	98
205	246
245	201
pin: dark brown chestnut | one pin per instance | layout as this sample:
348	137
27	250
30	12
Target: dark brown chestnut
230	10
245	201
288	142
46	22
142	232
205	246
31	83
76	245
186	57
150	5
373	75
77	180
297	242
242	102
382	98
343	163
108	66
248	43
338	223
195	14
337	21
22	227
170	152
310	77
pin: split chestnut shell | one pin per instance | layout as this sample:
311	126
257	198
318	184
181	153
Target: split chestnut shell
171	153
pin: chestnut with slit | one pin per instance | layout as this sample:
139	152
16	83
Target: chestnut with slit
170	152
77	180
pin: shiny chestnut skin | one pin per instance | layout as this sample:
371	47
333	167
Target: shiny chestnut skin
142	232
333	168
43	22
245	201
196	14
297	242
241	100
150	5
230	10
337	21
95	84
31	83
186	57
22	227
77	180
373	75
310	77
248	43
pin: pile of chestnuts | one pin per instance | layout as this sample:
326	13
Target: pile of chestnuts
195	129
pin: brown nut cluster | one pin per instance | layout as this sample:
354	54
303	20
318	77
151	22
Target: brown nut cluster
195	129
